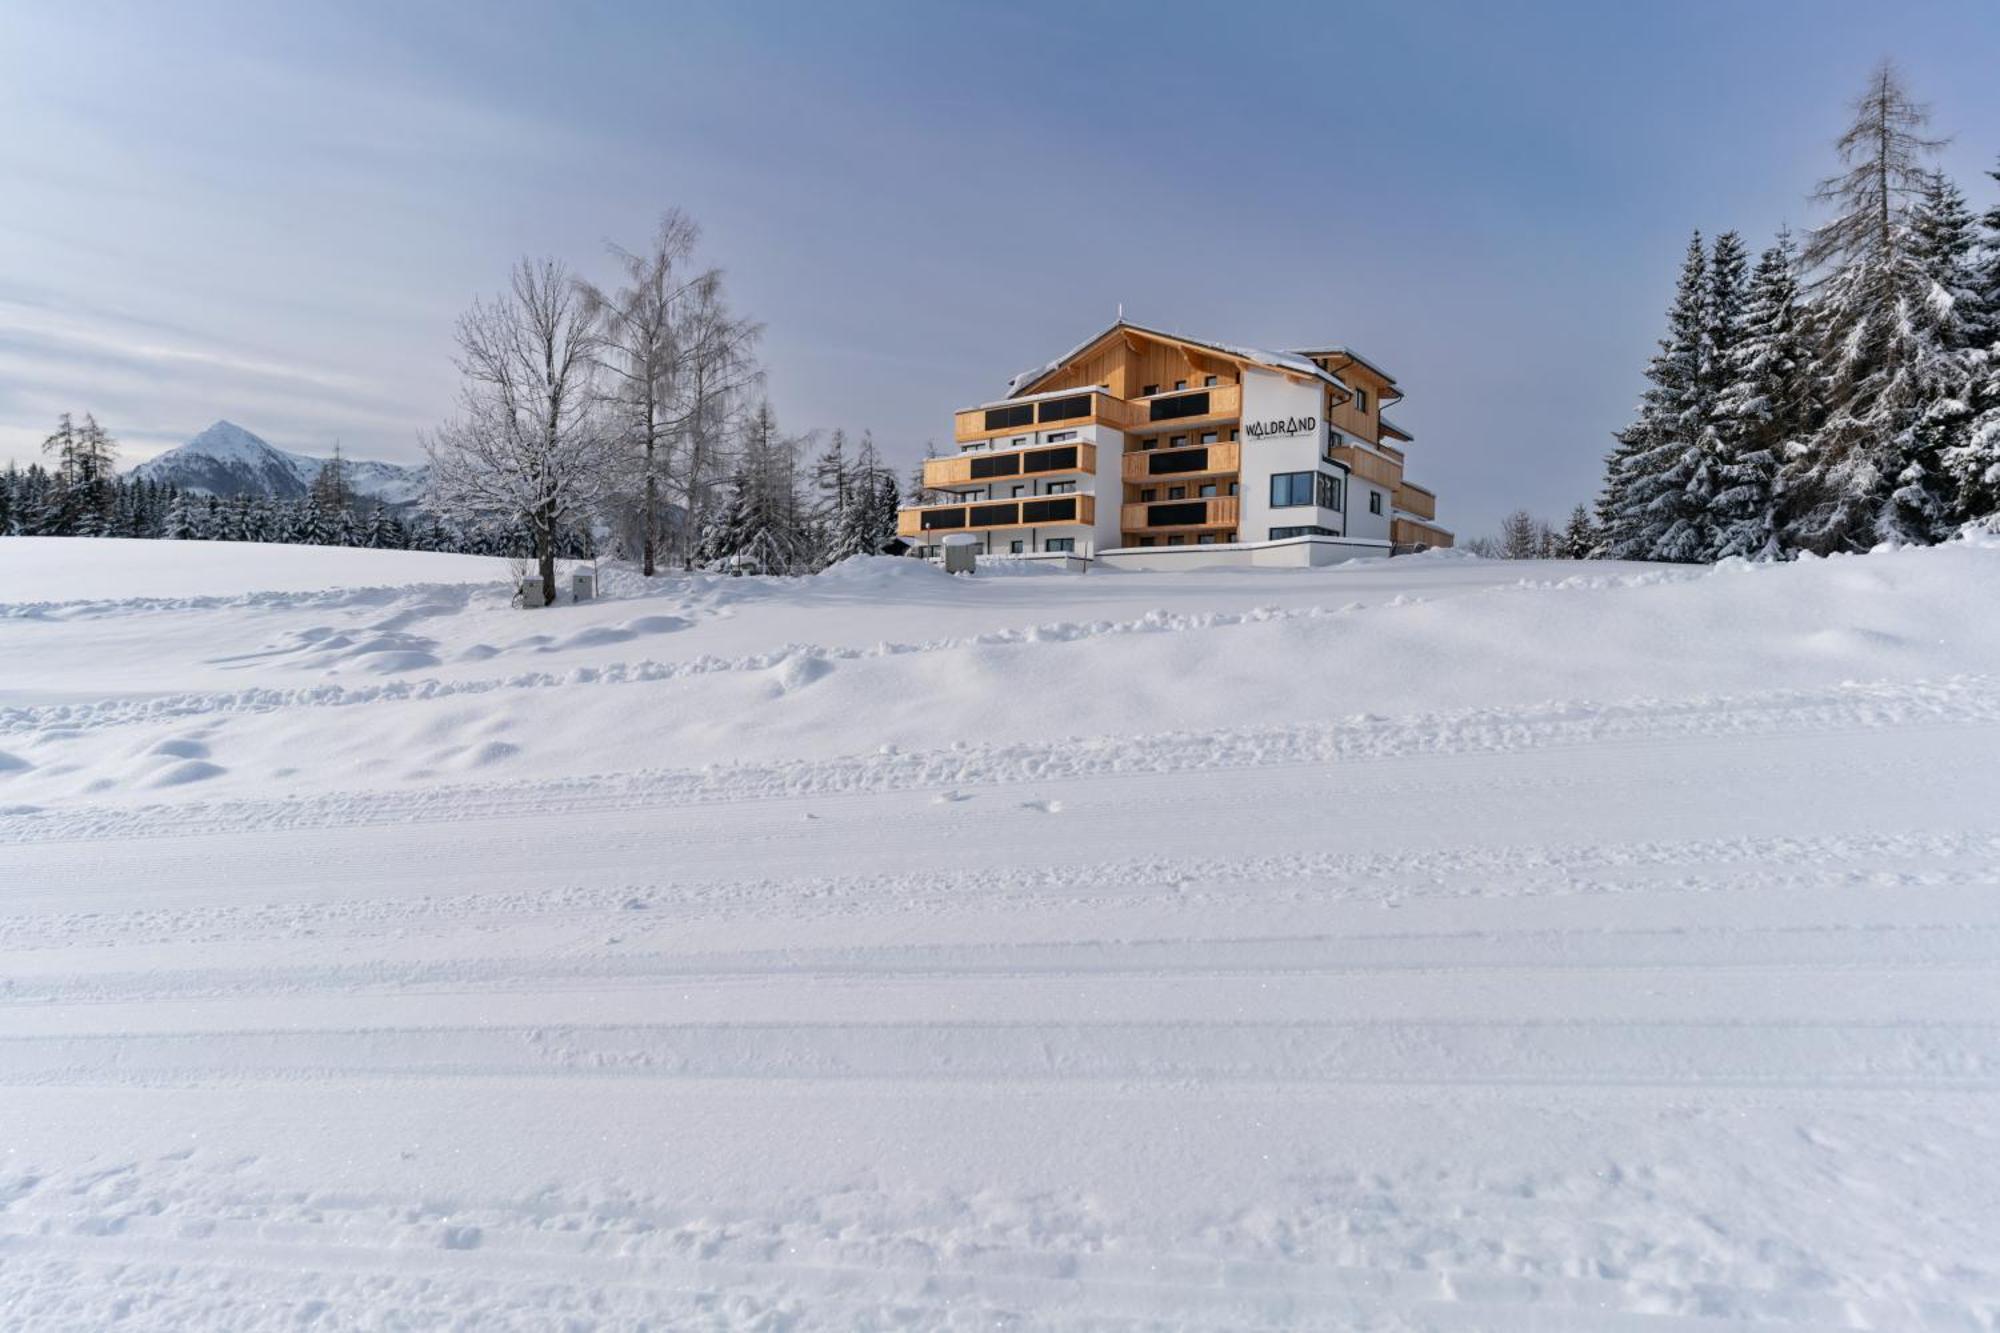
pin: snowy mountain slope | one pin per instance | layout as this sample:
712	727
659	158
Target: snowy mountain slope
1421	944
227	460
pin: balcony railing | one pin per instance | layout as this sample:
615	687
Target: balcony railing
980	466
1201	460
1408	532
1186	407
1038	511
1414	499
1219	511
1085	407
1368	466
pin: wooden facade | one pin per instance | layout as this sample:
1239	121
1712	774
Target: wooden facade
1162	393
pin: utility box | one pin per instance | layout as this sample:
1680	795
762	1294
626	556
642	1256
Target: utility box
960	557
582	585
529	593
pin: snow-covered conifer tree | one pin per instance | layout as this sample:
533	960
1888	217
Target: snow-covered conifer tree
1646	509
1766	403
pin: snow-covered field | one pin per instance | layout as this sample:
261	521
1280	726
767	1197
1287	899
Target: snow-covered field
1421	944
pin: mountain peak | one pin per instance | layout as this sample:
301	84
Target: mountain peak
226	459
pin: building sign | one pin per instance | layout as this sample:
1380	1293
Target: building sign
1278	428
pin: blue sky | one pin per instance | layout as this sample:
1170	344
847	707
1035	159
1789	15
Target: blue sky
273	213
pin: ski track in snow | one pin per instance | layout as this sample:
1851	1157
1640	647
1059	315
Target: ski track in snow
1670	1010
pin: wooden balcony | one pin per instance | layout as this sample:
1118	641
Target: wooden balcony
1414	499
1148	467
1217	512
1166	414
1085	407
1411	534
982	466
1369	466
931	522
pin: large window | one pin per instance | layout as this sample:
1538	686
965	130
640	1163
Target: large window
1289	489
1302	530
1066	409
1186	405
1329	491
1059	543
1001	418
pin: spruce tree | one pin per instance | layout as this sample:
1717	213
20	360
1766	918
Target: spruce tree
1647	511
1579	536
1973	461
1766	401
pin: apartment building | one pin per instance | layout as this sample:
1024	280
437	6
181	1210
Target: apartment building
1146	449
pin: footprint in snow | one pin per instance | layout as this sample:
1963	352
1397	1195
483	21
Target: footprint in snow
949	798
1046	807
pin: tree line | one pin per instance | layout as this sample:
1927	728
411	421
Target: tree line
623	419
633	410
81	494
1832	396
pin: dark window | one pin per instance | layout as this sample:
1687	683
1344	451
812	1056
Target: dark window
1187	460
1291	488
1180	384
1177	515
1177	492
1334	439
1149	494
1149	391
1232	488
1016	546
1059	510
1374	502
1206	539
1060	488
1302	530
1208	437
1329	491
943	518
1206	491
1232	432
1066	409
1184	405
1209	382
1361	401
1050	460
1177	541
1005	418
995	465
1176	441
1059	544
993	516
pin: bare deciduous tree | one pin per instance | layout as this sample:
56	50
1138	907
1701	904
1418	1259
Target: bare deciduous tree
677	364
528	445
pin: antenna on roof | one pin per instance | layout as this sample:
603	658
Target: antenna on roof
1121	312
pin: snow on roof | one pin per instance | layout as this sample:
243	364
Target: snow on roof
1390	425
1036	397
1350	354
1296	363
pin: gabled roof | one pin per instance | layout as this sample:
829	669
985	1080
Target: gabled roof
1391	428
1292	363
1352	357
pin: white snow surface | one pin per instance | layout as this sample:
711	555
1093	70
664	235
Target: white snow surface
1432	943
